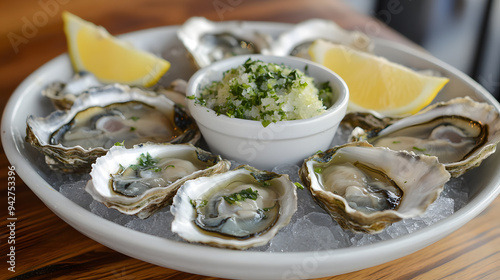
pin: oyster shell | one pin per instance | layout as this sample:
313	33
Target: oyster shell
365	188
208	41
63	95
141	180
297	40
175	92
460	132
72	139
239	209
366	120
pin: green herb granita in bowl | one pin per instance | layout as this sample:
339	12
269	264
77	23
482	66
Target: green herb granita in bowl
267	110
266	92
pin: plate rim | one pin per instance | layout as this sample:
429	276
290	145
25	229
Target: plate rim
309	264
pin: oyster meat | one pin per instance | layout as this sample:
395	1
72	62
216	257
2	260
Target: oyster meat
72	139
365	188
238	209
208	41
460	132
141	180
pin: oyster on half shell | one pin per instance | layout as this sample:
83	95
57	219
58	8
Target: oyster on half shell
460	132
72	139
208	41
297	40
239	209
365	188
141	180
63	94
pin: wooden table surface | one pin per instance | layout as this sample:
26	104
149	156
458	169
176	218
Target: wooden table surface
47	248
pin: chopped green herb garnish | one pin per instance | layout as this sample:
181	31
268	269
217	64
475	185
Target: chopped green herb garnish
326	94
419	149
134	118
145	162
241	196
268	208
318	170
396	142
132	128
202	203
261	213
134	166
198	203
122	143
265	92
299	185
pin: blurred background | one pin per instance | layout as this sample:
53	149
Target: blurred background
459	32
463	33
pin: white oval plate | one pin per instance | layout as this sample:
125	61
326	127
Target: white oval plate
27	100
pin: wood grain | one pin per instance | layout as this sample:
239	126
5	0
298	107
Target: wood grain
48	248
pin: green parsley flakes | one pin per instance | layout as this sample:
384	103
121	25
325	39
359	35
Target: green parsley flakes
299	185
241	196
419	149
145	162
265	92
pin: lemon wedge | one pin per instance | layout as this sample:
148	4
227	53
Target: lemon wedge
375	83
91	48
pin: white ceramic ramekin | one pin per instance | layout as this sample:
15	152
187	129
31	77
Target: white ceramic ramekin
283	142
